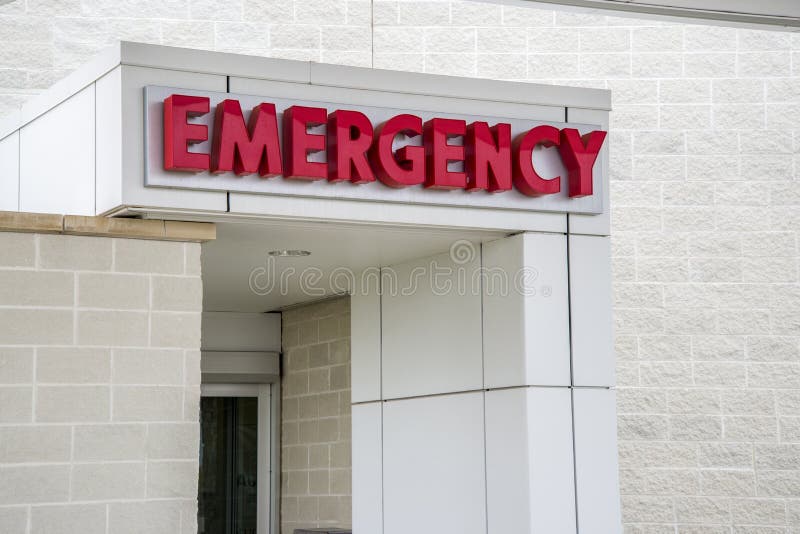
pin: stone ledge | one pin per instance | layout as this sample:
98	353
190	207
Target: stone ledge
13	221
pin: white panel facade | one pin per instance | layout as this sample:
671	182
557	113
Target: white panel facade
9	172
508	492
596	464
57	173
431	325
367	435
593	362
353	210
365	342
551	465
109	141
526	311
530	477
134	79
434	465
233	331
530	483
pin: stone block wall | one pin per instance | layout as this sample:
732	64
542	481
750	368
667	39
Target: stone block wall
99	384
315	430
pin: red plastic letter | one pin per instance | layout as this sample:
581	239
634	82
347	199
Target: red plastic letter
242	149
579	154
526	179
488	162
298	143
438	153
179	134
349	139
405	167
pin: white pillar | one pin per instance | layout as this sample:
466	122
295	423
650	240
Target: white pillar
481	395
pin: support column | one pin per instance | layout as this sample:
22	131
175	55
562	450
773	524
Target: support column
529	452
485	404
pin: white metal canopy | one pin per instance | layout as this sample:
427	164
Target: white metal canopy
781	13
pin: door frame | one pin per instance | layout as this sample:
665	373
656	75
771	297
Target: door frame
268	444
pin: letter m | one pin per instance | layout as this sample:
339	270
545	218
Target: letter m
246	149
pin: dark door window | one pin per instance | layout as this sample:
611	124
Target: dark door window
228	489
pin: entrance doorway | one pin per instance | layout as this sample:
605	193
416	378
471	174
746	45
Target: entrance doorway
273	287
234	495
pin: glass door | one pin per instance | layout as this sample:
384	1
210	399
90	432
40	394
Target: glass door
234	447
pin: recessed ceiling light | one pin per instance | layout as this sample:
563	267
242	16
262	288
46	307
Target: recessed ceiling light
289	253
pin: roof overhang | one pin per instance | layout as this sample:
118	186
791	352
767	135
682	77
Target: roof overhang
775	13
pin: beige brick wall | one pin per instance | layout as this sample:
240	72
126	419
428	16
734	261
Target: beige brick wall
315	440
99	385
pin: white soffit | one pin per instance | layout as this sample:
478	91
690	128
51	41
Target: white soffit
777	13
257	282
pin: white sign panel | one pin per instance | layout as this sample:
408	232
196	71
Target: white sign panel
547	161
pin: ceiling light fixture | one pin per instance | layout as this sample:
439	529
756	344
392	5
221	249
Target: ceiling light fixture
289	253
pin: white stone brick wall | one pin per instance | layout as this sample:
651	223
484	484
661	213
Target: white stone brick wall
315	419
705	196
99	385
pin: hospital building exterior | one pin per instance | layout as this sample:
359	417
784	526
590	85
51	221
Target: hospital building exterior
293	266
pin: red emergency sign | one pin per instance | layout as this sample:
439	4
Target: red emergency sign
358	152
